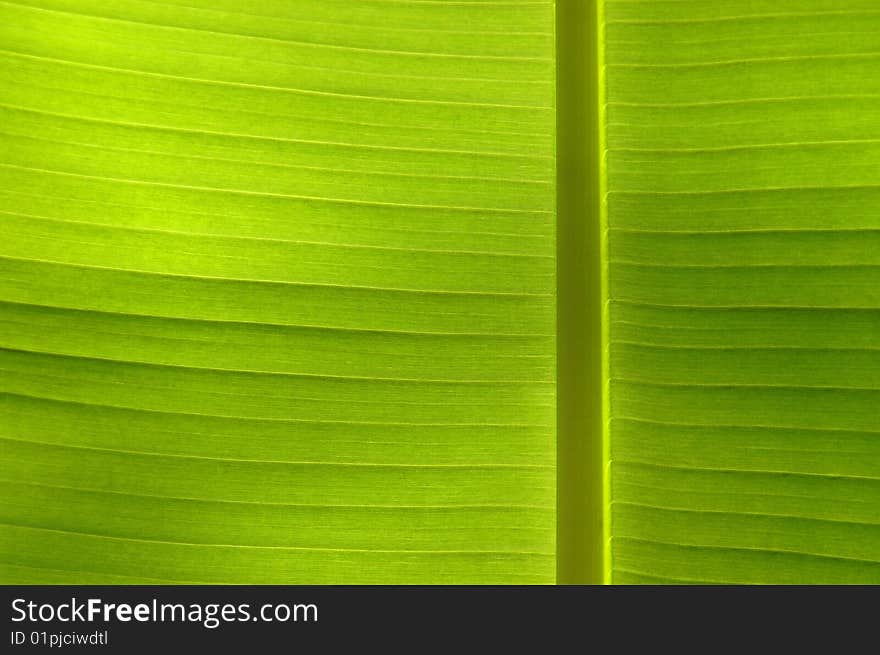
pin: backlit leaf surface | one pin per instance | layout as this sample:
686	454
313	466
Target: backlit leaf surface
277	291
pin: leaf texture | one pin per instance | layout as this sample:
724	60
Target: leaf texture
743	180
278	291
277	301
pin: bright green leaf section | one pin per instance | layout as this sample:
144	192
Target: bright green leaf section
743	170
277	291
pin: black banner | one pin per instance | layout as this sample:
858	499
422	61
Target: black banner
417	619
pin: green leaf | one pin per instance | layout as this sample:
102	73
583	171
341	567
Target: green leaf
277	292
280	281
743	255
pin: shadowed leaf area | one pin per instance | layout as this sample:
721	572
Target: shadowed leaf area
743	171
